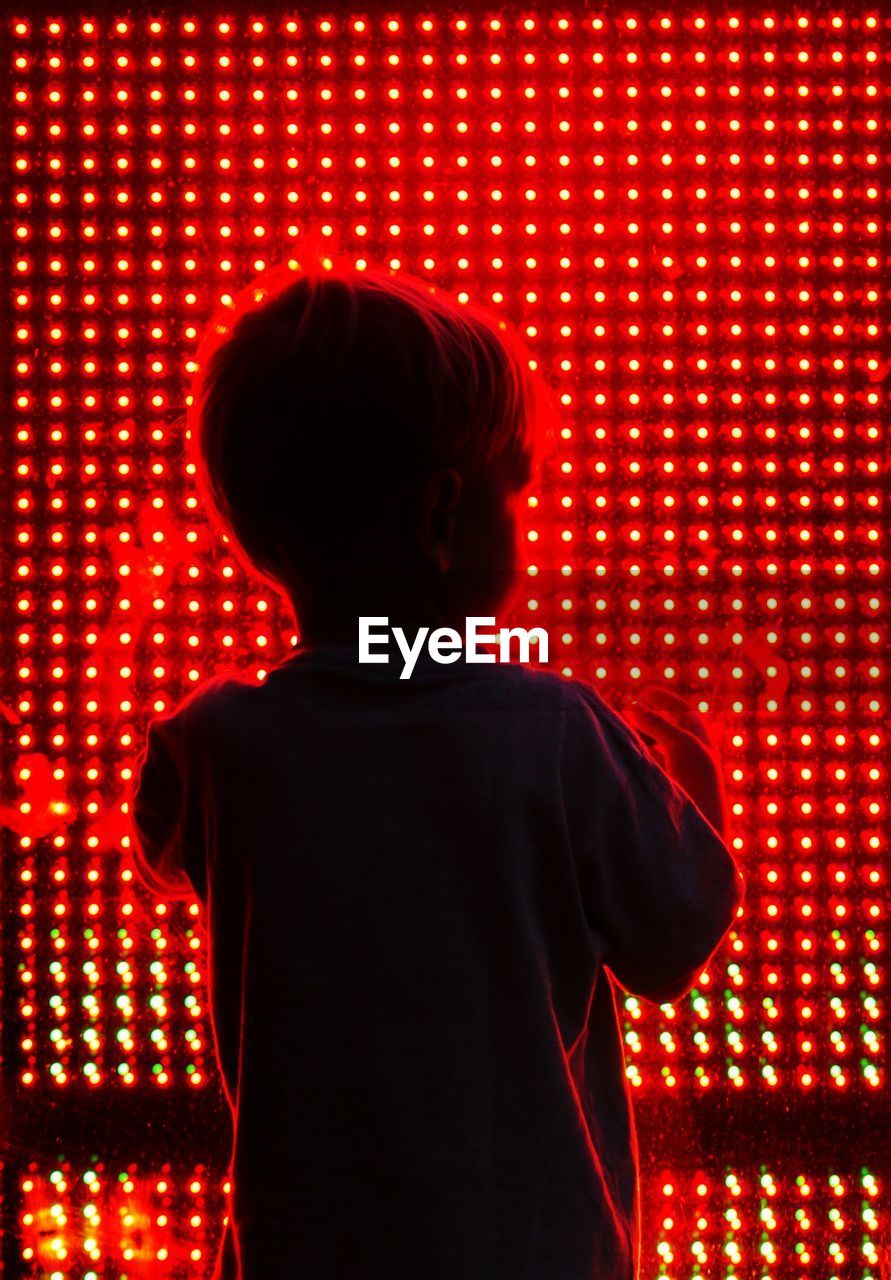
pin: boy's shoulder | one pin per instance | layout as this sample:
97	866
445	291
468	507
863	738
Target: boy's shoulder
586	713
533	684
569	696
209	701
565	690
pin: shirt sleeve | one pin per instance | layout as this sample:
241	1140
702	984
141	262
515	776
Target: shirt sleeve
659	886
168	844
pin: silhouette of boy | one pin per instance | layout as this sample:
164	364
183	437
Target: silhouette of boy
416	890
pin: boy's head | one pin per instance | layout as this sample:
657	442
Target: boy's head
365	441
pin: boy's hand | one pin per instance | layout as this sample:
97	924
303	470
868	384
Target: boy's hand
681	743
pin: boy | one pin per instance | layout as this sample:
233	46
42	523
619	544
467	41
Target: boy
415	889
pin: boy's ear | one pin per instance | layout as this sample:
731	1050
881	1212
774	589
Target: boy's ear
440	500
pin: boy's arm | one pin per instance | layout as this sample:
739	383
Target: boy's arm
659	886
167	845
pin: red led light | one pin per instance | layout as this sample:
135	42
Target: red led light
683	214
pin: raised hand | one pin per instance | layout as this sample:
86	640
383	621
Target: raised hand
680	740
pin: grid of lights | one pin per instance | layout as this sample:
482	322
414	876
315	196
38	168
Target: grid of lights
100	1221
682	214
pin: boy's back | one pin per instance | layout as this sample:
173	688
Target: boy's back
412	887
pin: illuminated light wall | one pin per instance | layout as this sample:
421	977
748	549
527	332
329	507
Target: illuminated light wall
741	1223
684	214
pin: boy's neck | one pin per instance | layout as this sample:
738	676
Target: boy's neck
337	622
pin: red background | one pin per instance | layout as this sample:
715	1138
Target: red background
683	214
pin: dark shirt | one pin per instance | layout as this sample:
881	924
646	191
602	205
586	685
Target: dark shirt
414	890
